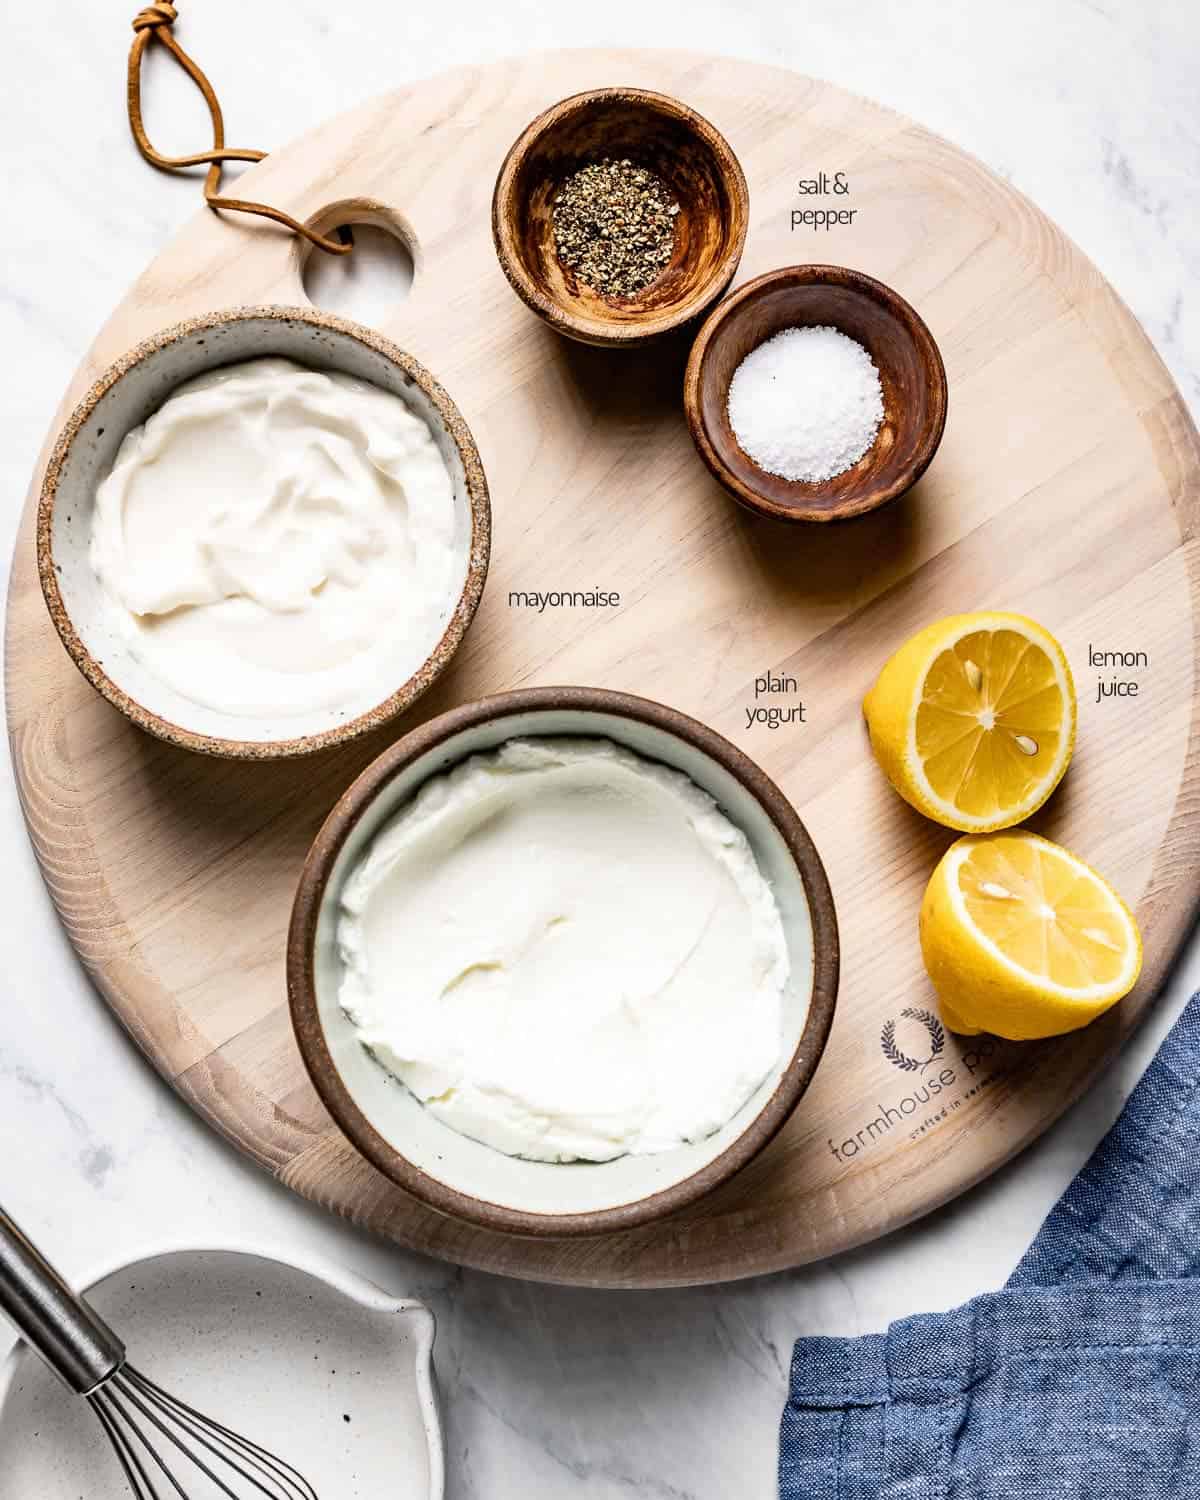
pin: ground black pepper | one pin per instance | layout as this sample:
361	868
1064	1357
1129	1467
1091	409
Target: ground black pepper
614	226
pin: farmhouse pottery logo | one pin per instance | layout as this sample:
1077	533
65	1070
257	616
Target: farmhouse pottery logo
902	1060
915	1043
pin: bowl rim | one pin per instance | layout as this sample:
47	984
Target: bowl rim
456	626
816	273
602	331
301	982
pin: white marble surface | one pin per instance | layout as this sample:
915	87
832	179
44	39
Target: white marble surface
1088	105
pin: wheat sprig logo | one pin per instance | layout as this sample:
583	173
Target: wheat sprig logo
902	1060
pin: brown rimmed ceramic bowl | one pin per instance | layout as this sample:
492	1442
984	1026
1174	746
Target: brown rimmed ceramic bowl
130	391
653	130
910	371
472	1181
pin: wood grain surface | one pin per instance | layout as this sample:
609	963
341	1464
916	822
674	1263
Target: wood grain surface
1066	487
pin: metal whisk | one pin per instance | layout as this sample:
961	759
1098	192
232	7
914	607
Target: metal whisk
162	1443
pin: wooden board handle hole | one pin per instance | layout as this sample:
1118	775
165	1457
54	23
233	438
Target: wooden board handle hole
378	275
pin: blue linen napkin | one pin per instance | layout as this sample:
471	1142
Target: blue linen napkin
1080	1379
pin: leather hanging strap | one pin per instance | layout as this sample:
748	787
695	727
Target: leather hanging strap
154	23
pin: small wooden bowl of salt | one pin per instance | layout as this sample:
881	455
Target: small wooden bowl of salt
815	393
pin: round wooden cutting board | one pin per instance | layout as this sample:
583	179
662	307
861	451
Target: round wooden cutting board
1066	488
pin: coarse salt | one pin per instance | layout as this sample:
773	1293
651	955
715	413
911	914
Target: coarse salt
806	404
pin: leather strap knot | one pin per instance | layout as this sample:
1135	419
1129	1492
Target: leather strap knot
154	22
161	14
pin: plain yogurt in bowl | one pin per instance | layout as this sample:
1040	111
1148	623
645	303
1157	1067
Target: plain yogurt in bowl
544	947
263	532
561	961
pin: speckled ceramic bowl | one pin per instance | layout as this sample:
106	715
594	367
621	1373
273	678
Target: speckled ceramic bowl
323	1367
475	1182
130	391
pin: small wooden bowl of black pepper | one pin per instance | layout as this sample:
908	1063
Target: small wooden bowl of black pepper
620	215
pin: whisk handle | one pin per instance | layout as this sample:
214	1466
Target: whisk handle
77	1345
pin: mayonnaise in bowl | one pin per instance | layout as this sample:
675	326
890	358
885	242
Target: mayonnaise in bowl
277	540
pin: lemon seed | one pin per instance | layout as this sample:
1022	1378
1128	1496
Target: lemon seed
1102	938
1025	745
974	675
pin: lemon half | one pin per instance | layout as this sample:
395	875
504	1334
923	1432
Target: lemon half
973	720
1022	939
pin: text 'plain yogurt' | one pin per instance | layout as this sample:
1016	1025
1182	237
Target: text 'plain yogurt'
567	952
